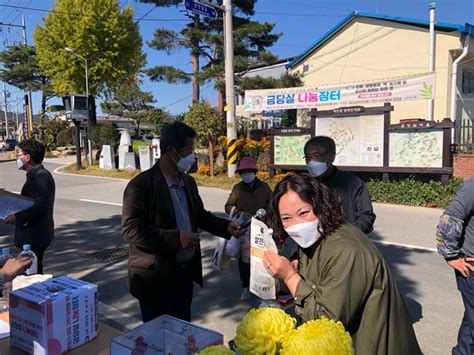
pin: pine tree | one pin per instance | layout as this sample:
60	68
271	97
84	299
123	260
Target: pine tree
21	70
128	100
203	38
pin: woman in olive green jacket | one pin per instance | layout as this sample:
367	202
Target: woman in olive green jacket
339	273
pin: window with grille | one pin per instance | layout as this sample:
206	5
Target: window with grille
468	82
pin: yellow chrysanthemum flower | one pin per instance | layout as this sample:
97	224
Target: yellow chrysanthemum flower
216	350
262	331
321	336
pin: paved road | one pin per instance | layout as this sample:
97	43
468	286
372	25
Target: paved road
87	216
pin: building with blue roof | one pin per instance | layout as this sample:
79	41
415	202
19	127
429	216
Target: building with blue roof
368	47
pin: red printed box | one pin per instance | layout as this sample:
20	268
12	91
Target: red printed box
54	316
165	335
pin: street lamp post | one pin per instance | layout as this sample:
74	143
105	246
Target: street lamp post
89	146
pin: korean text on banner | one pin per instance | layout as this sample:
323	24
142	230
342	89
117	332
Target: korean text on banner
417	87
262	284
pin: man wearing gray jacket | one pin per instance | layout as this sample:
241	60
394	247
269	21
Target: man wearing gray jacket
455	237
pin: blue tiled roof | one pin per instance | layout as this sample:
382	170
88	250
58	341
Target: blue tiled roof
440	26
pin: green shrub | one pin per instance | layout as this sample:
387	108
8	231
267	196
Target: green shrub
204	119
105	134
137	144
413	192
65	137
49	131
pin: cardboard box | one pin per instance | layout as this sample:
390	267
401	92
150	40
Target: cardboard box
24	280
165	335
53	316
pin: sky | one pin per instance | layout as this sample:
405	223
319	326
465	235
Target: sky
301	23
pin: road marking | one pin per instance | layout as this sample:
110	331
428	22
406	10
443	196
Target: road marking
101	202
120	317
406	246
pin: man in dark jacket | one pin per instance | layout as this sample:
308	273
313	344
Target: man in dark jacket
35	225
162	211
351	191
455	236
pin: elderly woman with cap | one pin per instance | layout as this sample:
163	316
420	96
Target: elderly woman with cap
247	196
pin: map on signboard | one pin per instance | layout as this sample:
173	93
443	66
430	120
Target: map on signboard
288	150
422	149
359	140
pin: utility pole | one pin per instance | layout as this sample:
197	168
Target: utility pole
208	9
29	114
17	102
30	99
229	90
432	58
5	103
88	128
5	107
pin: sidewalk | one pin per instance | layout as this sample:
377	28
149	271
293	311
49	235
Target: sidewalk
10	156
6	156
63	160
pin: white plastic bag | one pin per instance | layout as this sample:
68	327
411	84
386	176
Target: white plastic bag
232	247
220	261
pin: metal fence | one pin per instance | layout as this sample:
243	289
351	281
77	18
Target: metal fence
464	136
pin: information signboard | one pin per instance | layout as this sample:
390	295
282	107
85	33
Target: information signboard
359	139
288	150
420	149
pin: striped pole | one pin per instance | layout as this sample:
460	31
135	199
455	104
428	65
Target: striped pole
229	90
232	153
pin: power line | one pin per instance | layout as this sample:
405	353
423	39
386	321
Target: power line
298	15
165	20
64	12
11	12
345	44
313	6
333	60
258	12
8	1
186	97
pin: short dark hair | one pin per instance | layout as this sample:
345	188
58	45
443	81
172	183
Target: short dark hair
321	141
318	195
34	148
174	135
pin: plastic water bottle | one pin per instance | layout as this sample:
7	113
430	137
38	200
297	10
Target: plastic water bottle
33	269
7	286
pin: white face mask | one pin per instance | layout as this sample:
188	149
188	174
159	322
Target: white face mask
186	163
19	164
304	234
316	168
247	177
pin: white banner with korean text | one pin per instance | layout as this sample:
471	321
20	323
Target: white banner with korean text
419	87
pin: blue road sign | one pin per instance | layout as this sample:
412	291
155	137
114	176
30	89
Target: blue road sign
200	8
